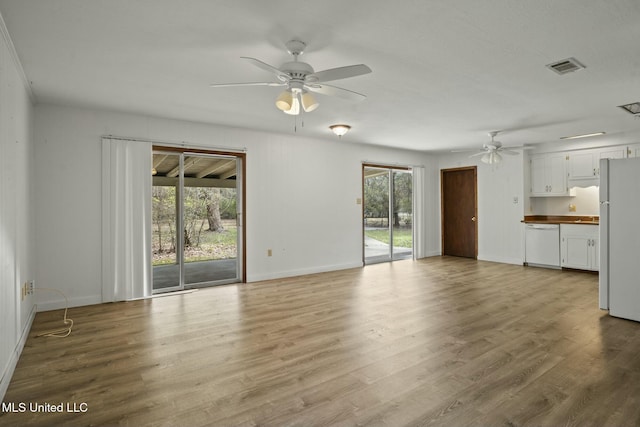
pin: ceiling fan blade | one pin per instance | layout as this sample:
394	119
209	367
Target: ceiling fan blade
338	73
329	90
480	153
247	84
263	65
524	147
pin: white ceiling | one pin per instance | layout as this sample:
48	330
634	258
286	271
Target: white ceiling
445	72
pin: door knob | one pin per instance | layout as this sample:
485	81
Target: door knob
473	218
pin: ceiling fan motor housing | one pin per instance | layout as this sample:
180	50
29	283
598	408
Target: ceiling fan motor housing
297	70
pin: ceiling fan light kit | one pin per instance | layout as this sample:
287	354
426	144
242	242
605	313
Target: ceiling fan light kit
308	102
491	158
284	101
290	100
300	79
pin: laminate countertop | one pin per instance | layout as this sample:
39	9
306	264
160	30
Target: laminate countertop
561	219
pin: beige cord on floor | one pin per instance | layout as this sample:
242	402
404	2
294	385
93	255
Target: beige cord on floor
59	333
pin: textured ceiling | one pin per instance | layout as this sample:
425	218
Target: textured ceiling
444	72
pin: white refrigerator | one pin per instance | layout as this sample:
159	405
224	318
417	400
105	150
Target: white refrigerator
620	237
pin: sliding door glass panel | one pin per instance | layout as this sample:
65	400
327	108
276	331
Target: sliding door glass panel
166	243
210	215
402	229
377	224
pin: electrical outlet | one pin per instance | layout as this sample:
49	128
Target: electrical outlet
572	208
31	287
269	252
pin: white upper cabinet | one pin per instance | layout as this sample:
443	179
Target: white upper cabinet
549	175
584	165
556	174
613	153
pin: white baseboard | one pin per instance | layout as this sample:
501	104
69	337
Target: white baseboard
59	303
15	355
500	259
432	254
301	272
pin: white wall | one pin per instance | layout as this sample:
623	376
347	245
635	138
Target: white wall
500	231
301	196
16	220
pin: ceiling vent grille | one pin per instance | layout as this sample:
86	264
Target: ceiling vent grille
633	108
566	66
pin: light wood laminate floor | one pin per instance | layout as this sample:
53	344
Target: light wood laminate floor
442	341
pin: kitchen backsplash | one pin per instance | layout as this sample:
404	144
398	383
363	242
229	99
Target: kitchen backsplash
586	202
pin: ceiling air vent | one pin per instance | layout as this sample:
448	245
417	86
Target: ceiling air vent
565	66
633	108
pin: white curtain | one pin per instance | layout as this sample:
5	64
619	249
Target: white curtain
126	219
419	209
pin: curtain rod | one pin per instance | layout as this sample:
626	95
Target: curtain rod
181	144
404	165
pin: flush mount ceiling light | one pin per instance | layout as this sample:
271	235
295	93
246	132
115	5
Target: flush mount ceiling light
340	129
633	108
586	135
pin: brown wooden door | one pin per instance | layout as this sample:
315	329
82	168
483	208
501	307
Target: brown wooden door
459	212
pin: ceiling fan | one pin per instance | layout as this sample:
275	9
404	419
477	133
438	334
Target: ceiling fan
492	152
300	80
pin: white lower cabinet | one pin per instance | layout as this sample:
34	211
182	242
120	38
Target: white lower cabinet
579	246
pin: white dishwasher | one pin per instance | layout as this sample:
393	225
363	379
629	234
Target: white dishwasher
542	244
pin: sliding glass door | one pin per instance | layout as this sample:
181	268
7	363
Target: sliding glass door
402	224
166	244
387	214
196	227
